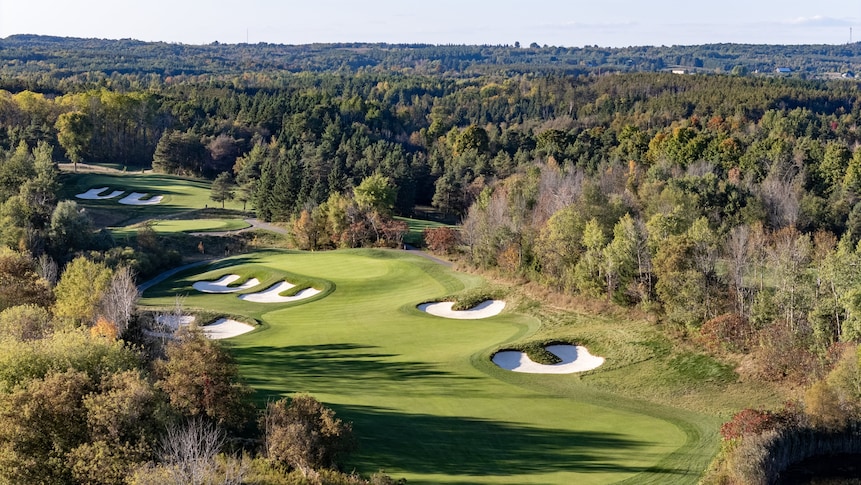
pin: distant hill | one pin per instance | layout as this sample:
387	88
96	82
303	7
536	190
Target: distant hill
65	56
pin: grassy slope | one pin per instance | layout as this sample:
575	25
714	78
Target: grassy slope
180	194
425	401
185	225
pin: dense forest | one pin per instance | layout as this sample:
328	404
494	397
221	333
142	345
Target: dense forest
89	60
726	205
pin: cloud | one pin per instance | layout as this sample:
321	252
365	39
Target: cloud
820	21
602	26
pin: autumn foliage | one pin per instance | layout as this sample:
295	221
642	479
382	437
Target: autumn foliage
441	239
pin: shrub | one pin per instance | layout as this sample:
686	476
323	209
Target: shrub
305	435
749	422
441	239
730	331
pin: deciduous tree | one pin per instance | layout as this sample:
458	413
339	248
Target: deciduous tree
201	379
304	434
80	290
74	132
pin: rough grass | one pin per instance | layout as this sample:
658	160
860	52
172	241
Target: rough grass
469	298
425	399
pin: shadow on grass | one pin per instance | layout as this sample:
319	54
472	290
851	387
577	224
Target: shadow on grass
348	367
427	444
158	287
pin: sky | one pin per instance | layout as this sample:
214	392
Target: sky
569	23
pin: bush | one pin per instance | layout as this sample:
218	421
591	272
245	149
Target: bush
441	239
305	435
730	332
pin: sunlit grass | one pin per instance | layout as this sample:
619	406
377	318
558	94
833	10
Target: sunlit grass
426	401
183	225
179	193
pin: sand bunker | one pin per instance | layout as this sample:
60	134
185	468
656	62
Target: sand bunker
137	198
484	309
574	359
217	330
272	294
172	322
93	194
225	328
221	285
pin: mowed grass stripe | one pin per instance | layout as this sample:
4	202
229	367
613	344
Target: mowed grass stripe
425	401
184	225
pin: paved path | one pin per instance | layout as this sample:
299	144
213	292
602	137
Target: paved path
419	252
167	274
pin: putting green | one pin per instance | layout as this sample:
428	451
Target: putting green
426	402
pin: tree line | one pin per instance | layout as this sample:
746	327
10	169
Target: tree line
102	59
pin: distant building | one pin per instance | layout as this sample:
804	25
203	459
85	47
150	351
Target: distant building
680	71
848	75
783	70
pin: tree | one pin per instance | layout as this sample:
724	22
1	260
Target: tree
25	322
40	424
308	230
189	451
201	379
222	188
441	239
823	407
305	434
620	257
124	420
74	132
559	246
71	228
679	285
180	153
376	193
19	283
120	299
588	272
80	290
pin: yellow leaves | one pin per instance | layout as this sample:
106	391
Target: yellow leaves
104	329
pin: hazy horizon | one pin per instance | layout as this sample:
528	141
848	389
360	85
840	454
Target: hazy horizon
613	23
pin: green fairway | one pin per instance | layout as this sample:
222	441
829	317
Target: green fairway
185	225
179	193
417	228
426	402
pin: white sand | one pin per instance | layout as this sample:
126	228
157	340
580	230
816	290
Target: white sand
574	359
219	329
173	322
484	309
221	285
93	194
225	328
271	294
137	198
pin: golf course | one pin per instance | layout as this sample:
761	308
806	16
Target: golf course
426	401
